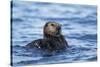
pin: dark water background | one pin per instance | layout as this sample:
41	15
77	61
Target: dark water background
79	27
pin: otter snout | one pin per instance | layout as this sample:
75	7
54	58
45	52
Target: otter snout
58	28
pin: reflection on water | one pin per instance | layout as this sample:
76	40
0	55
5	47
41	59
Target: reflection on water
79	26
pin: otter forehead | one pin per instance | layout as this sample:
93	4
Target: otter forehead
53	24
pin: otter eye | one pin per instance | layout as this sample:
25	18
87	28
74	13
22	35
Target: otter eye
52	24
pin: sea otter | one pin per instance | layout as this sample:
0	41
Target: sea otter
52	38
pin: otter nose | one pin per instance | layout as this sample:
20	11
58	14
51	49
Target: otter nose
58	28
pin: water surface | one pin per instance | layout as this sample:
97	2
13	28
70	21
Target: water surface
79	27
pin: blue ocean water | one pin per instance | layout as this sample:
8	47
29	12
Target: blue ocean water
79	27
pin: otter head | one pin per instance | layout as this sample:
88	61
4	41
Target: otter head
52	29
